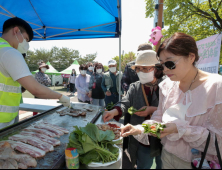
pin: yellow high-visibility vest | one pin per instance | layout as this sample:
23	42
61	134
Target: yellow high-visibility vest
10	94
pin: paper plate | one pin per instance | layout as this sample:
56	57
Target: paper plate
100	164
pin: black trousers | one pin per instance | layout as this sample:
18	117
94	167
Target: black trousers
72	87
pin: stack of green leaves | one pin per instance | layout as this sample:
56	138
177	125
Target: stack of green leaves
155	128
93	145
132	110
109	106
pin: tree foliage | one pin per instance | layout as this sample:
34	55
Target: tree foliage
198	18
106	68
125	59
60	58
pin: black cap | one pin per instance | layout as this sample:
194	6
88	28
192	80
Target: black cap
13	22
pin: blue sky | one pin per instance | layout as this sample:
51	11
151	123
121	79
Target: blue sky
135	30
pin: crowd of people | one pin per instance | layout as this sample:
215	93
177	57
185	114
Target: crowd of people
166	84
96	87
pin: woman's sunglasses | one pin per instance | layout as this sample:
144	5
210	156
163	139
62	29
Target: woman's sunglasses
169	64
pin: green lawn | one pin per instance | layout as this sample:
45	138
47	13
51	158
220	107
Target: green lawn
59	89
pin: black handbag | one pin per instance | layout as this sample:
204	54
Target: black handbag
205	152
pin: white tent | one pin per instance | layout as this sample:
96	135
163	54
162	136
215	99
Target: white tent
75	65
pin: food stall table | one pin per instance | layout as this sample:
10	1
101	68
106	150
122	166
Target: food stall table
38	105
55	159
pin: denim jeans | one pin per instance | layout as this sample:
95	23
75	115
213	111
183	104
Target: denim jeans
98	102
144	161
113	98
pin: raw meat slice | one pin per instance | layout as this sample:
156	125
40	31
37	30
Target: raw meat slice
13	163
1	163
22	166
7	152
9	164
42	131
24	148
48	128
42	137
57	127
34	141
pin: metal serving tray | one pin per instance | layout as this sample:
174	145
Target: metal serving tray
55	159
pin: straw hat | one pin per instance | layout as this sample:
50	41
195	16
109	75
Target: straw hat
145	58
42	64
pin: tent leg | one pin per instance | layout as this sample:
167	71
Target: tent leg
120	67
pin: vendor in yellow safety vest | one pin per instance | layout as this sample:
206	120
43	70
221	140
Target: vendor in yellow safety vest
14	72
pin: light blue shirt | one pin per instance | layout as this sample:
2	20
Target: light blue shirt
82	86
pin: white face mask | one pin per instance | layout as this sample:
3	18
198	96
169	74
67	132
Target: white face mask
91	68
24	46
146	77
43	70
99	71
83	72
112	69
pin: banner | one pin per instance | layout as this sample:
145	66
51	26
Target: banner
209	52
66	75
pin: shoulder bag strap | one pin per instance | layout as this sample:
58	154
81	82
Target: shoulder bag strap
205	152
144	95
218	151
146	100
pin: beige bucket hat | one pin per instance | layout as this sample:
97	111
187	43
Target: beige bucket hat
145	58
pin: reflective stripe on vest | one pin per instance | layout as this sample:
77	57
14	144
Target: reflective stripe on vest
8	88
10	94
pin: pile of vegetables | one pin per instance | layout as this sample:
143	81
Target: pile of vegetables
155	128
110	106
132	110
93	145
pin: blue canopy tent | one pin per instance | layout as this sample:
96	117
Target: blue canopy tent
67	19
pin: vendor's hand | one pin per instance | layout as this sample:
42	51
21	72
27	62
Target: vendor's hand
170	128
108	93
108	115
65	101
149	110
130	130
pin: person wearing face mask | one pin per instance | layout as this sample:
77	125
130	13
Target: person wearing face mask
140	94
42	78
190	107
72	80
95	89
110	83
14	72
82	84
90	69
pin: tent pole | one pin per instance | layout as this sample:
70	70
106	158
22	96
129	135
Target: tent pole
120	67
119	21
